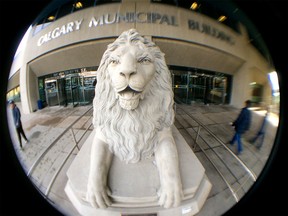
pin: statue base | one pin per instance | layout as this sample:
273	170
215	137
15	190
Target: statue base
134	186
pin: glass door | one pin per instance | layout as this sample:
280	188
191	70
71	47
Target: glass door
71	87
89	88
62	92
68	90
75	85
51	89
219	90
180	81
197	87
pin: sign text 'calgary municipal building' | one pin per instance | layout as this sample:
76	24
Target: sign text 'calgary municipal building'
132	17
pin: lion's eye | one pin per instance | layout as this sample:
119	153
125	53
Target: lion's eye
145	60
114	61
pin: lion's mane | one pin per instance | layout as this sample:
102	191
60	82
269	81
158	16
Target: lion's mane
132	135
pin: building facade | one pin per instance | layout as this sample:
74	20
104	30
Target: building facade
207	58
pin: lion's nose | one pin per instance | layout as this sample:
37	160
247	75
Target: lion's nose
127	73
128	66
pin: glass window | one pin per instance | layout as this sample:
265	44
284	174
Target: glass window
81	4
170	2
99	2
41	87
14	94
45	21
203	7
65	9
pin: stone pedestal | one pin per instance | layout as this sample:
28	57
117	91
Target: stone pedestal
134	186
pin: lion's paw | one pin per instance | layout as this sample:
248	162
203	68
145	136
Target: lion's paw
98	198
170	195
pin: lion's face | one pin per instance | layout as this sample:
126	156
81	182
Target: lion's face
131	68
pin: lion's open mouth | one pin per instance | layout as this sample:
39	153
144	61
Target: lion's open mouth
129	93
129	98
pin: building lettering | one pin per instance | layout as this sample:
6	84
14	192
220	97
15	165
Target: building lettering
131	17
58	31
209	30
135	17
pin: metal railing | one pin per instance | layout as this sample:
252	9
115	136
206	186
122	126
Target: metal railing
246	168
198	135
45	151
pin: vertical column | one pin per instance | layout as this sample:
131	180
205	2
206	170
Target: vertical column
24	90
28	89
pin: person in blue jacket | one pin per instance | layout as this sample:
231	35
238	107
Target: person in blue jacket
17	122
241	125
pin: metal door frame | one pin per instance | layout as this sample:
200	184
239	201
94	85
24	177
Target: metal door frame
54	79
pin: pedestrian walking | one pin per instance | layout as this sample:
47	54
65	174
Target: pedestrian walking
17	122
241	125
261	133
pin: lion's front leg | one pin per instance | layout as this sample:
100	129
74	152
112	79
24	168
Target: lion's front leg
97	189
168	166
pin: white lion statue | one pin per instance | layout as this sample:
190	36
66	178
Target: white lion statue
133	115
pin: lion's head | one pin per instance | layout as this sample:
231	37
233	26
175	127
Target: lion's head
133	96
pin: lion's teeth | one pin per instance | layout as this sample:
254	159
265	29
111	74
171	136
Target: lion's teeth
128	95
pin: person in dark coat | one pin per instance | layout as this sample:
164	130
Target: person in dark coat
17	122
241	125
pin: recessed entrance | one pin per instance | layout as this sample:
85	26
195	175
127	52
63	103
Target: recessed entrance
72	89
203	87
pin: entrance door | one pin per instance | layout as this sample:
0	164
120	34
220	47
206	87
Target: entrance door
199	87
62	92
72	88
219	90
51	89
88	89
180	87
75	85
190	87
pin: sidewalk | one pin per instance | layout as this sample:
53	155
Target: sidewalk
44	126
217	118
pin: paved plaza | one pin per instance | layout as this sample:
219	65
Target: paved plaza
58	132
